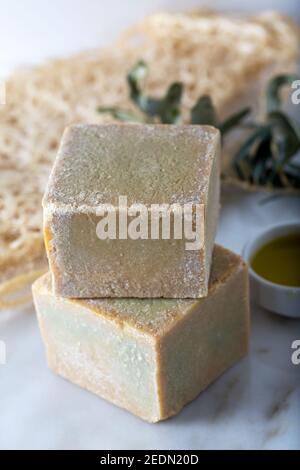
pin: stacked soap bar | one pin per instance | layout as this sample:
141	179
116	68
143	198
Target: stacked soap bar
149	356
149	165
143	323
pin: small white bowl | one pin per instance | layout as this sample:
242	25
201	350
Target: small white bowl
278	298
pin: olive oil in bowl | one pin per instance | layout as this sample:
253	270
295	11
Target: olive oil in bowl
278	260
274	269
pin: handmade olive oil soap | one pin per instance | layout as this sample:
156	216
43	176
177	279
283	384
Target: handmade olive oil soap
151	165
149	356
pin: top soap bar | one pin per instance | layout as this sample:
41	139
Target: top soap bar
149	164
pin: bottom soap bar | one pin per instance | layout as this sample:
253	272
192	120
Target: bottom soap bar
150	356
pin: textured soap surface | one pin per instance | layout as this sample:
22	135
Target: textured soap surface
148	164
149	356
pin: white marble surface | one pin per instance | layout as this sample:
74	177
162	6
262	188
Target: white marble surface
255	404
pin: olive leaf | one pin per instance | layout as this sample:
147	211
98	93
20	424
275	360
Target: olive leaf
274	88
134	78
204	112
286	128
260	167
265	158
233	120
121	114
278	154
245	152
167	108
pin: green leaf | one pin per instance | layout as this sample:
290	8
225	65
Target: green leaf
278	158
137	73
263	132
239	171
268	149
233	120
243	155
260	161
167	108
121	115
204	112
286	129
274	87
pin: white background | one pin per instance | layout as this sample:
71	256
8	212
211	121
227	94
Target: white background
34	29
256	404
